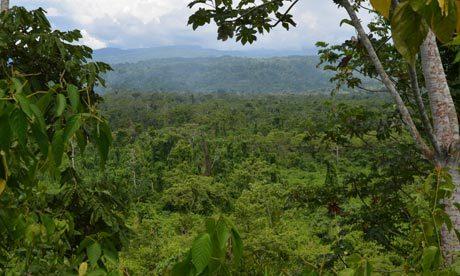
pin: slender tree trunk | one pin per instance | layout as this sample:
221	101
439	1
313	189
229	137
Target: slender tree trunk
403	111
5	5
422	110
206	158
446	129
444	116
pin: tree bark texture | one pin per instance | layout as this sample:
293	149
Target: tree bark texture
5	5
445	121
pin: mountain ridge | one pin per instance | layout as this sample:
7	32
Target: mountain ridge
116	55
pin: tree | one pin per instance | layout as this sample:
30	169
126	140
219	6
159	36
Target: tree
5	5
415	25
47	102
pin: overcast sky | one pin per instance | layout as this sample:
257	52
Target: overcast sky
147	23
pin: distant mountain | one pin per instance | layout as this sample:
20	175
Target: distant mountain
220	74
114	55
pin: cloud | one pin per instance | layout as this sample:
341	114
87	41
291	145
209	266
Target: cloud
91	41
147	23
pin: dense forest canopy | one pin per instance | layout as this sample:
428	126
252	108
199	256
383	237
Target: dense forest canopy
150	179
221	74
115	55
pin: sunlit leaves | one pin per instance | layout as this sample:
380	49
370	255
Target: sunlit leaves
382	6
412	19
408	35
201	252
2	186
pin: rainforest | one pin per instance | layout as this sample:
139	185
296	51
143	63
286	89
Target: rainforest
193	161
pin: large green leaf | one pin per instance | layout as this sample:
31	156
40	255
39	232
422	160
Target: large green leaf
24	103
57	147
74	97
19	120
201	252
103	140
41	138
222	233
60	104
94	252
237	246
409	30
382	7
73	124
429	258
38	117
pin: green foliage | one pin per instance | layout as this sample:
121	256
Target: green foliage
241	19
311	182
51	221
220	74
214	252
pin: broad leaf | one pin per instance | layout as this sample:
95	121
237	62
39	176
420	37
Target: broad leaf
60	105
2	185
201	252
57	147
408	35
94	252
73	125
430	254
74	97
382	6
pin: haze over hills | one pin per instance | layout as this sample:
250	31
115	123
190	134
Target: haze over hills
196	69
115	55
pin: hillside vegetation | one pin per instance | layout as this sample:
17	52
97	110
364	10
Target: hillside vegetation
308	181
221	74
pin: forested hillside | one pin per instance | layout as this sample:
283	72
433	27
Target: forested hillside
225	165
221	74
310	182
114	55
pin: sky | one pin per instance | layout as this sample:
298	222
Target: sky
130	24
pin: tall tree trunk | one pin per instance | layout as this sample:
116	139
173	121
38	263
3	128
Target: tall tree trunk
444	116
402	108
441	103
450	243
5	5
446	128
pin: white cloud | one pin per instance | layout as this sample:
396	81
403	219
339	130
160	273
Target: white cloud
91	41
145	23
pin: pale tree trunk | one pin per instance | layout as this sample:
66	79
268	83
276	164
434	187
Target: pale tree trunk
450	244
444	115
441	103
403	111
5	5
446	129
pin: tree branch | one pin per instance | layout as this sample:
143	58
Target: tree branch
422	110
404	112
285	13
